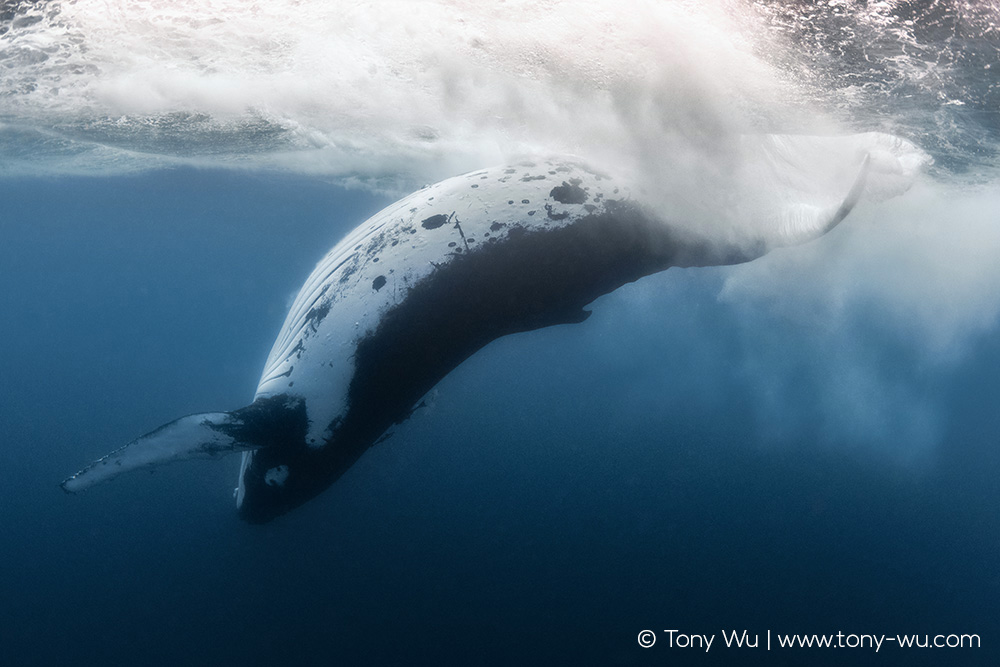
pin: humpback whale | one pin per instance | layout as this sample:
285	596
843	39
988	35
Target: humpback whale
417	289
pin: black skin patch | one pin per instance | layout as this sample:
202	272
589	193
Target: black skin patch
569	193
316	315
378	283
552	215
434	221
277	423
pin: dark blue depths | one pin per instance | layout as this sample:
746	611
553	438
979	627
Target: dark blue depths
562	491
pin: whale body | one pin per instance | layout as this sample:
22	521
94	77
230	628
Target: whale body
413	292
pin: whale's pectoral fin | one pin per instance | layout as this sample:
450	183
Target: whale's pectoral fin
206	435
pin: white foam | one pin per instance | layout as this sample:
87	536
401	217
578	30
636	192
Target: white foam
917	275
428	88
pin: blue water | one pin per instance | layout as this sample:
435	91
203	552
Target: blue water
566	489
805	444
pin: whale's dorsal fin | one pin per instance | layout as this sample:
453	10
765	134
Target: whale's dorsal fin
206	435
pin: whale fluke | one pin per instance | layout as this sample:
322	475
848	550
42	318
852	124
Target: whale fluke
805	223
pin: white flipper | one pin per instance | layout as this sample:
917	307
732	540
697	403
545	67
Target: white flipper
206	435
